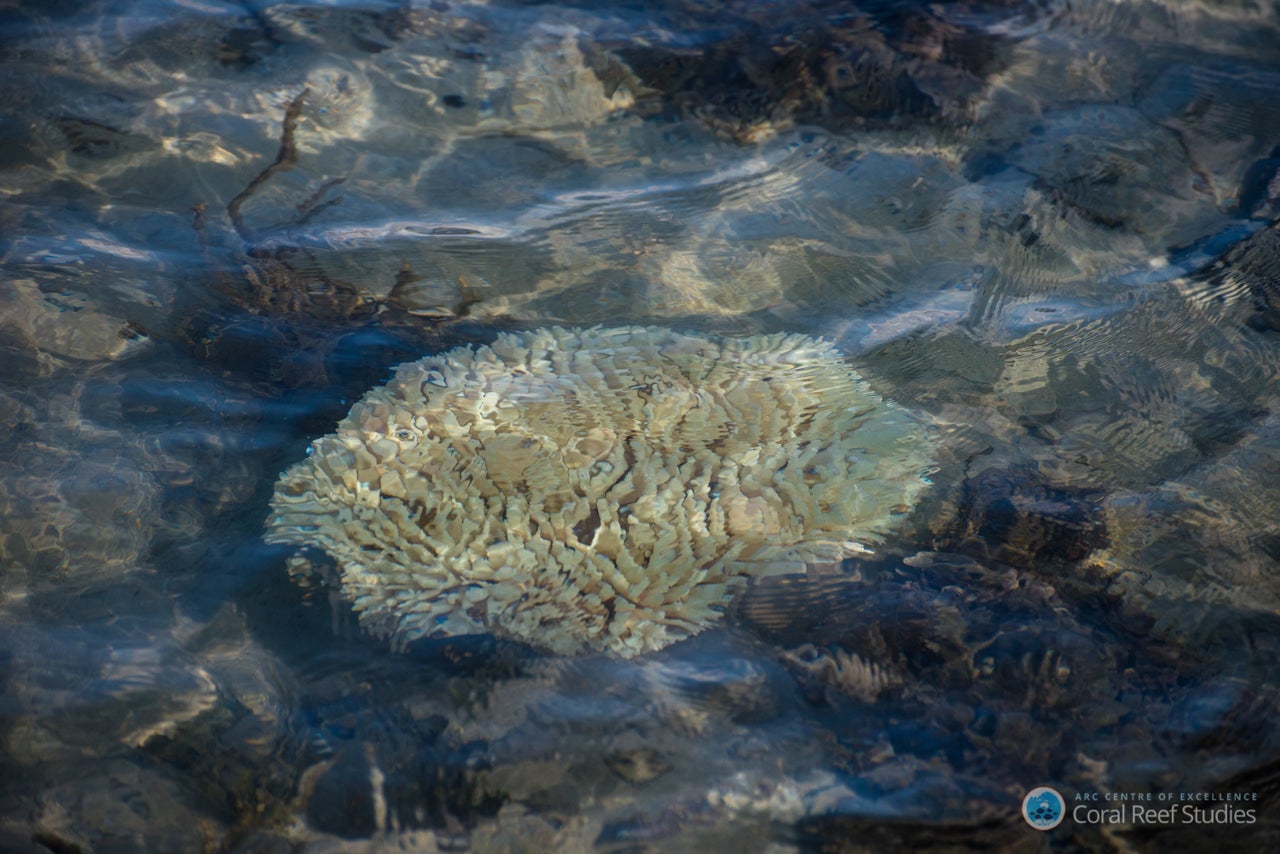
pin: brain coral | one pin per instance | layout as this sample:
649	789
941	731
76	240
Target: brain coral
601	489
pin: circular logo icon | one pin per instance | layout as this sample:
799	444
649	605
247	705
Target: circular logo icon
1044	808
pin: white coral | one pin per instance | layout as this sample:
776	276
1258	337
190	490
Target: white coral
603	489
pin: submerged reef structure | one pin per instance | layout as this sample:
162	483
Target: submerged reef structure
606	489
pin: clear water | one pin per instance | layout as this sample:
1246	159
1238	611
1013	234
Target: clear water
1048	227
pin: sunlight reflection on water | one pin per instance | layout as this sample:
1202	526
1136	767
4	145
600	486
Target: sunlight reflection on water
1048	227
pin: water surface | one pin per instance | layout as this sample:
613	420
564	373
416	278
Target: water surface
1049	228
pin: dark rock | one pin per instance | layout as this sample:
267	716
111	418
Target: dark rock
752	69
343	801
1017	518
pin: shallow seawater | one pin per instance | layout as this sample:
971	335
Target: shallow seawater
1049	229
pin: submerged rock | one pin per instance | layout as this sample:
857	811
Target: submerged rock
757	69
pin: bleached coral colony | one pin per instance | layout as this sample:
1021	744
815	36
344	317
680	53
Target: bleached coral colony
605	489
